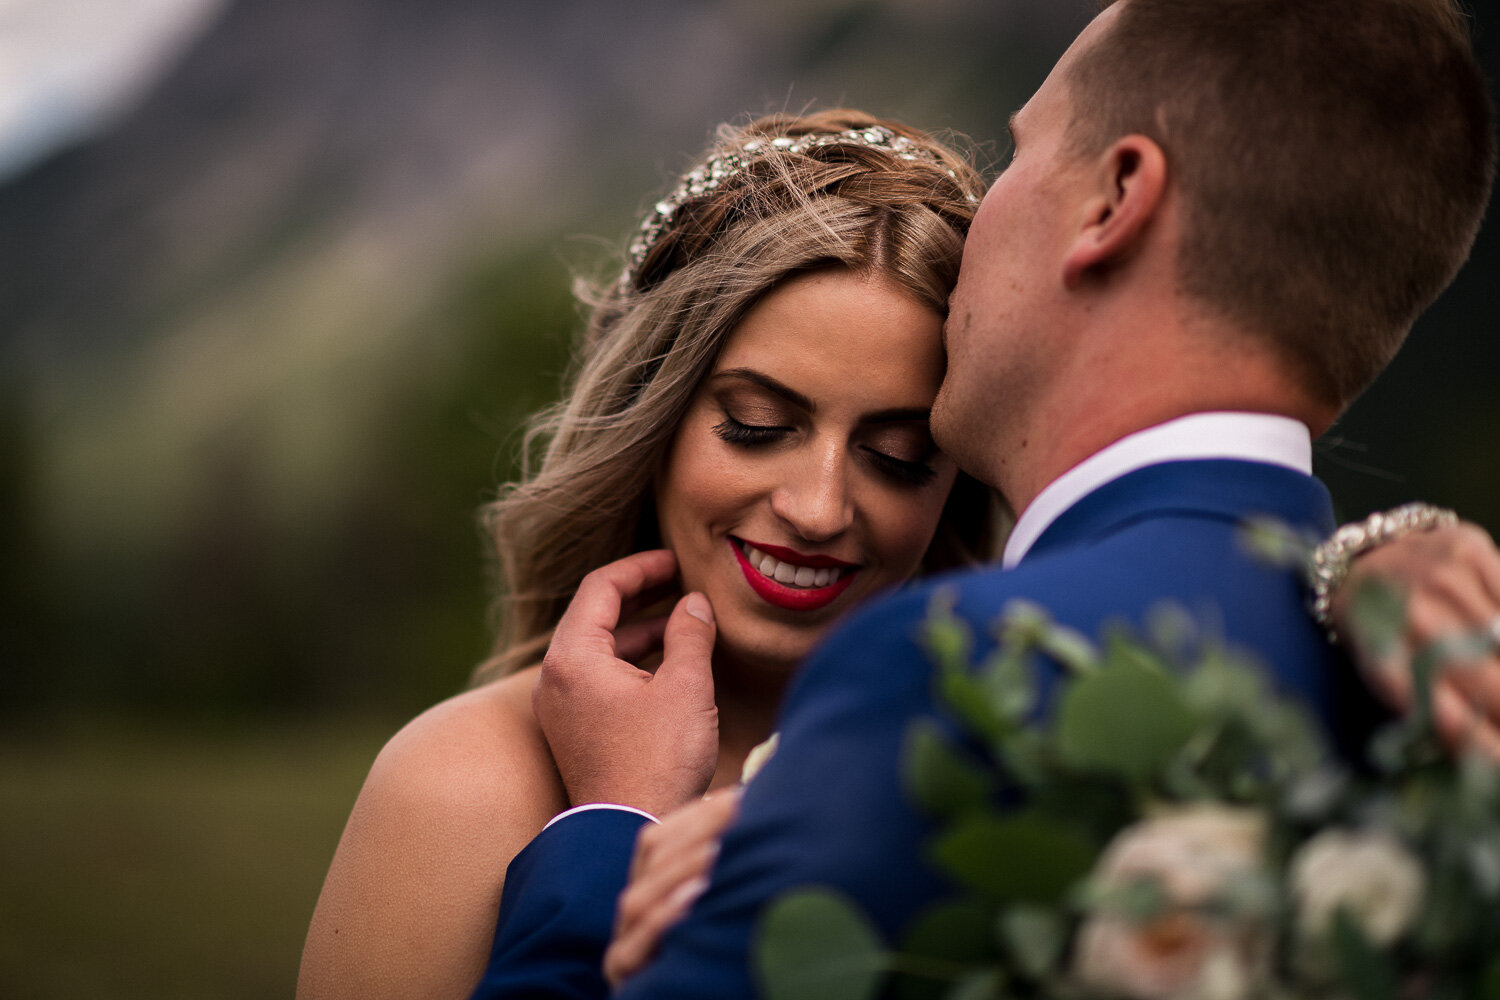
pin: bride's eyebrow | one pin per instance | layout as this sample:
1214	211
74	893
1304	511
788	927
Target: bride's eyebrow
769	384
899	414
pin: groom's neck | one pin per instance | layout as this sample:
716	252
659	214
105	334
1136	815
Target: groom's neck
1107	399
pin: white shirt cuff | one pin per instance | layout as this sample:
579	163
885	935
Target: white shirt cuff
600	805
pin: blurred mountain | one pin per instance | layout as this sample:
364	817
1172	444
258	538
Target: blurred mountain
265	340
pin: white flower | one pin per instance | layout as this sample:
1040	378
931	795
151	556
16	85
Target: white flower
1186	951
757	757
1371	875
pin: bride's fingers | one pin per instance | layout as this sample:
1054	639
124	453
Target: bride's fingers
1477	681
1461	726
629	952
1456	609
1471	547
649	893
669	871
682	847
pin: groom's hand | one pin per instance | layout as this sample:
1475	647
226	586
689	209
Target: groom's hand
618	733
1450	578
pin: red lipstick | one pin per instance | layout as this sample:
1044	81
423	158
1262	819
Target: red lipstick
794	598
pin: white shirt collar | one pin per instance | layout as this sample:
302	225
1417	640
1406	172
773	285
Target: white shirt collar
1250	437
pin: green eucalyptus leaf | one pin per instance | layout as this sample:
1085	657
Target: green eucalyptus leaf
1365	971
1025	858
1172	629
965	696
1123	648
1127	719
957	931
1024	755
1022	622
1483	856
946	637
1008	683
814	945
1479	779
986	985
1035	938
1137	900
1222	687
1377	615
1070	648
938	776
1273	542
1489	981
945	942
1313	795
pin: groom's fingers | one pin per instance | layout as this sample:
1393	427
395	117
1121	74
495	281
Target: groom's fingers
688	648
589	623
636	640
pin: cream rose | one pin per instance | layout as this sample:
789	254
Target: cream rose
1371	875
1184	952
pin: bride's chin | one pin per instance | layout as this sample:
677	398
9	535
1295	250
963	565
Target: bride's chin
765	658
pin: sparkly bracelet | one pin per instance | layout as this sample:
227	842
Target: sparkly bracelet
1330	561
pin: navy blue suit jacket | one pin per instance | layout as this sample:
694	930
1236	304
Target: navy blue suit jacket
828	808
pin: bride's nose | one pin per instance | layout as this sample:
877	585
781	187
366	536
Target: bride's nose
814	499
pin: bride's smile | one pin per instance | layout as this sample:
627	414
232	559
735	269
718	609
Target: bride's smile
791	579
803	477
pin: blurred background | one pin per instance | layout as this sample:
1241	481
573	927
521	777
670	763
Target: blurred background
280	278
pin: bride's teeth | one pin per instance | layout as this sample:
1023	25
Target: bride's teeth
785	573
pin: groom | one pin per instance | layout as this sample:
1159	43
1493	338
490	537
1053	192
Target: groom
1220	221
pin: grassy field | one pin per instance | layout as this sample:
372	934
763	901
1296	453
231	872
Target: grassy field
144	861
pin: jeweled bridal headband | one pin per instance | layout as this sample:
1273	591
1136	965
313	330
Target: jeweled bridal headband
724	166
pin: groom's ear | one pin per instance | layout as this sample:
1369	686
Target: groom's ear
1129	184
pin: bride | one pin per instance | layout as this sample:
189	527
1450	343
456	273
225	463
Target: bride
751	396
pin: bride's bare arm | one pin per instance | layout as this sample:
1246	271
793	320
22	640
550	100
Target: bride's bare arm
409	905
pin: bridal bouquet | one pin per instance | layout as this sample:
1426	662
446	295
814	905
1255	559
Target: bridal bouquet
1172	831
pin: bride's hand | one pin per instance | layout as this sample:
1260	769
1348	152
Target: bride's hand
1450	578
618	733
668	872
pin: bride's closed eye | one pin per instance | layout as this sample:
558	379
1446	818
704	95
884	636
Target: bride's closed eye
902	471
749	434
902	452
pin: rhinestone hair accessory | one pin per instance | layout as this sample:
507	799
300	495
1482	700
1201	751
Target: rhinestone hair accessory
723	167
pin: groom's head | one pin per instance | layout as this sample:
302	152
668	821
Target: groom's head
1333	157
1212	204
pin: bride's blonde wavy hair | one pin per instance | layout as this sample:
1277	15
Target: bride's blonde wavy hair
653	337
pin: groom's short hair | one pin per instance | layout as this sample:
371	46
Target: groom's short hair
1334	158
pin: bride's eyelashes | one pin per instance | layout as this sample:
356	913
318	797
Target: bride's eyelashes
900	471
734	432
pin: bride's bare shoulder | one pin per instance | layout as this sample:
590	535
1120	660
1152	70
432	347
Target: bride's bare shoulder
408	907
480	752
